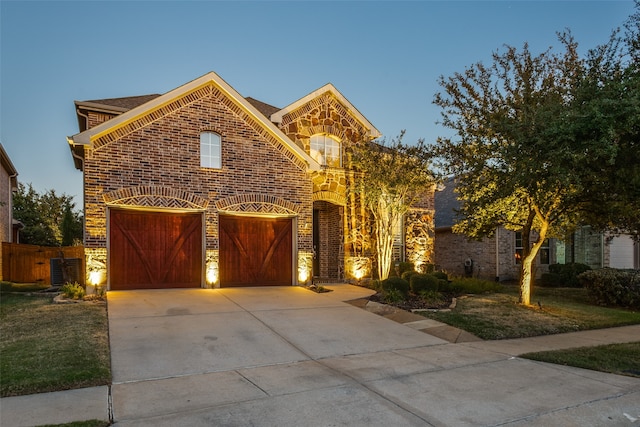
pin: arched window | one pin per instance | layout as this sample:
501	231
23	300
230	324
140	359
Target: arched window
326	150
210	148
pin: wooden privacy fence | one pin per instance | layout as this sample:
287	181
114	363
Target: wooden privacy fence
30	263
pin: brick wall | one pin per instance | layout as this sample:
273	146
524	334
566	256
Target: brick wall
6	226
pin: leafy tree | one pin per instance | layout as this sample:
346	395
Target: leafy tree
513	157
49	219
546	142
393	177
607	111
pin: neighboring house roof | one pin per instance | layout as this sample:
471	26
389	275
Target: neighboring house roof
446	203
153	107
116	105
7	165
277	116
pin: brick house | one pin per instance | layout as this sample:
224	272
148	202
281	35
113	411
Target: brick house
496	257
9	227
201	187
8	185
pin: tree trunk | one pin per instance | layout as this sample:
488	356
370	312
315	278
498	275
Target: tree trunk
529	256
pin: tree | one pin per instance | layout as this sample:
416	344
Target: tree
513	155
607	111
393	177
49	219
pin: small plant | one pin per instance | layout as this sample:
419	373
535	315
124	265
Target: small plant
73	290
395	283
424	282
392	296
440	275
407	275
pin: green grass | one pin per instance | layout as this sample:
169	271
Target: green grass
22	287
621	359
48	347
556	310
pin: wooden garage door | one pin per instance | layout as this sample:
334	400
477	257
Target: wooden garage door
255	251
154	250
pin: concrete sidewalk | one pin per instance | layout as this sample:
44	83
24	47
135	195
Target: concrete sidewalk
288	356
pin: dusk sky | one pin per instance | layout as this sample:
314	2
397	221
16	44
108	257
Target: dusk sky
384	57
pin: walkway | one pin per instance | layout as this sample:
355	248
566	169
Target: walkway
287	356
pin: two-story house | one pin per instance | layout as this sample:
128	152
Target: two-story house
202	187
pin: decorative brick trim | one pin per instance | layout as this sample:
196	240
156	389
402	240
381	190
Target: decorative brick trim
329	196
189	98
330	130
151	117
159	197
258	203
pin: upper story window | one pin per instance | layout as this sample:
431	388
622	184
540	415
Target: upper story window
210	150
326	150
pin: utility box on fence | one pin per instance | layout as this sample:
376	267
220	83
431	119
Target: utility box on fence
65	270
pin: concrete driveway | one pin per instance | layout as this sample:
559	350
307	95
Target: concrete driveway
285	356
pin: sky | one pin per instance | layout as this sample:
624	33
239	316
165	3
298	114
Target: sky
385	57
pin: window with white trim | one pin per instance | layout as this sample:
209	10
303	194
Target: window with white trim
210	150
326	150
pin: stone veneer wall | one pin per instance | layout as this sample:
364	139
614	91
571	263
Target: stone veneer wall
326	115
165	153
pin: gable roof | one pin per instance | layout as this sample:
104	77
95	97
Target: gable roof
446	203
372	131
116	105
156	107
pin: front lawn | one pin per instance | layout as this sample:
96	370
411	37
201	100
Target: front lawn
556	310
47	347
620	359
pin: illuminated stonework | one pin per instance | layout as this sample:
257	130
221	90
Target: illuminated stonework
96	267
212	272
358	267
305	266
419	240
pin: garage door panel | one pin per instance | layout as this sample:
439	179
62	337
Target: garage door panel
255	251
155	250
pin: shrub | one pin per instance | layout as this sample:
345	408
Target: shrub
407	275
423	282
395	283
440	275
564	275
428	268
72	291
471	285
609	286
